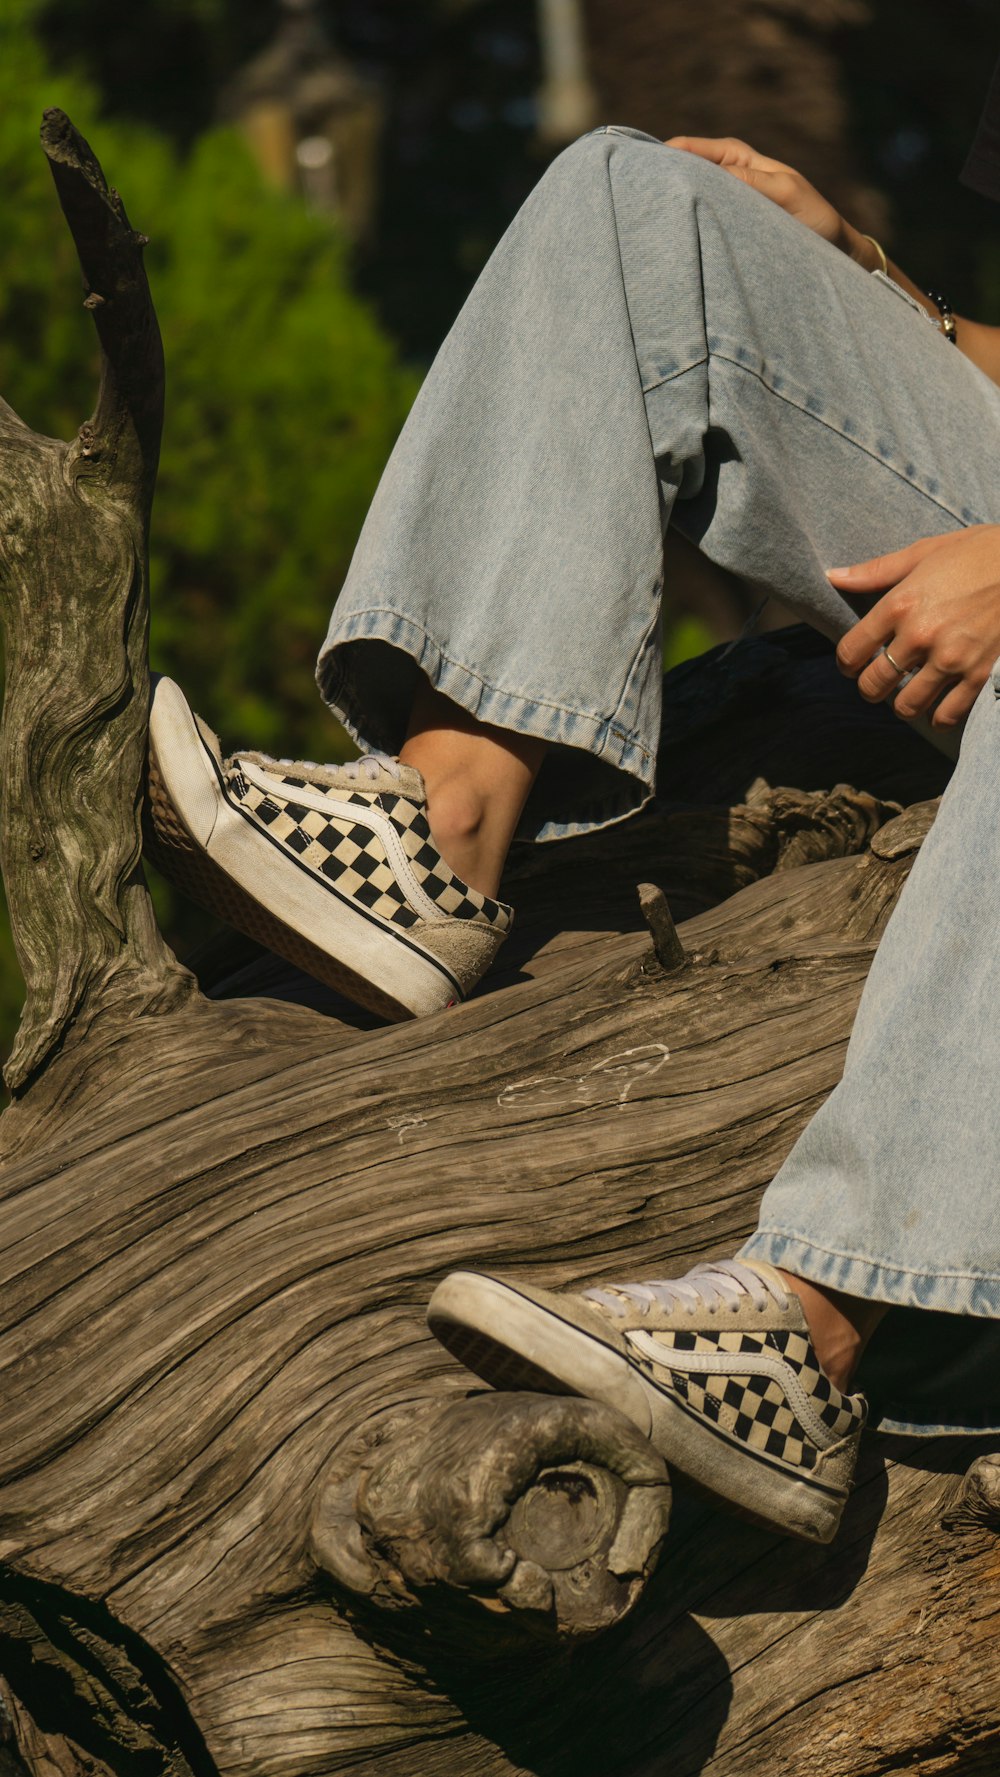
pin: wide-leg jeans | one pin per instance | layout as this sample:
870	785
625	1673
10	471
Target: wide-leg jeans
654	344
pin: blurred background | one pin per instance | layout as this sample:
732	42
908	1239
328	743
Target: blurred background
322	180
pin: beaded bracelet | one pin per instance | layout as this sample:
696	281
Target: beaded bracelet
949	326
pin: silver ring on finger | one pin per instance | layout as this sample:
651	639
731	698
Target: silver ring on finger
901	670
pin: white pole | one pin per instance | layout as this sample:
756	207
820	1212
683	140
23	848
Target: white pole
566	103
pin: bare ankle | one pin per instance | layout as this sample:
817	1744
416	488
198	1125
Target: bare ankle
840	1326
456	813
477	779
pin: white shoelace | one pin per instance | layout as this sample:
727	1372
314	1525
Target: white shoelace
705	1289
369	765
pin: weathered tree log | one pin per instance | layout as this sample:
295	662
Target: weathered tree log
74	598
241	1301
230	1445
548	1513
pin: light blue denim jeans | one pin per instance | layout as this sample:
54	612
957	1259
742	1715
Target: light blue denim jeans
652	343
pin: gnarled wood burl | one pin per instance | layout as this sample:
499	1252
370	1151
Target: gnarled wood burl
252	1521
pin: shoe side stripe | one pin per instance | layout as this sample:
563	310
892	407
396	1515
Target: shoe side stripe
325	883
373	817
805	1478
736	1363
308	795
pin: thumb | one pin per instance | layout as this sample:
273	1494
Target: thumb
882	571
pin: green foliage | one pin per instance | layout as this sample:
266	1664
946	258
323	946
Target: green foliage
685	639
284	400
283	396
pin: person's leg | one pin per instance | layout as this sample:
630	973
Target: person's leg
840	1325
650	342
336	867
477	779
628	355
741	1372
890	1193
717	1368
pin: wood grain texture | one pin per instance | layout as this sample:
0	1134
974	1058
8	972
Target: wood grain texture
201	1316
93	1712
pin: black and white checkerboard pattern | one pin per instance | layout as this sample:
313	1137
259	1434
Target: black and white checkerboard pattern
447	890
755	1409
351	855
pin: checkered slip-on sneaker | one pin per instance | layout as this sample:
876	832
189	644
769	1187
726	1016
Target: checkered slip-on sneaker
334	867
716	1368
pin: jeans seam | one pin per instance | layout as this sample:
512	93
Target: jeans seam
640	655
684	370
488	684
642	649
873	456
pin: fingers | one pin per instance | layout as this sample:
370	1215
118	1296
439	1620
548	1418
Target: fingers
954	708
714	148
880	679
856	648
922	692
725	151
879	652
945	693
883	571
936	625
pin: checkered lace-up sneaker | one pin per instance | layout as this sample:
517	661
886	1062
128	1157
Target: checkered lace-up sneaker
716	1368
332	866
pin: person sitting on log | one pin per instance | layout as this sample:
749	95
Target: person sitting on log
679	334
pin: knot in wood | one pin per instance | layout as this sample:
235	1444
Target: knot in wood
88	440
562	1519
901	837
503	1518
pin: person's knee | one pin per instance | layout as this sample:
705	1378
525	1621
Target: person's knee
591	158
581	163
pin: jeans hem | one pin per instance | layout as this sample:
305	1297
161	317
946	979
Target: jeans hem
602	737
954	1293
856	1274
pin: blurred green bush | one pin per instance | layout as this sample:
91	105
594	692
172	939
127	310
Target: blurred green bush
284	398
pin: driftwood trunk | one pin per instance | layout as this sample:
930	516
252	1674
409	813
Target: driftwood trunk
253	1521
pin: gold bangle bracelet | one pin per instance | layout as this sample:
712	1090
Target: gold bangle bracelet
883	263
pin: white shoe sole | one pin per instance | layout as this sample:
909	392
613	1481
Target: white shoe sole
514	1343
228	863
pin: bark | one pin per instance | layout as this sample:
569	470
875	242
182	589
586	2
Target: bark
253	1521
74	597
